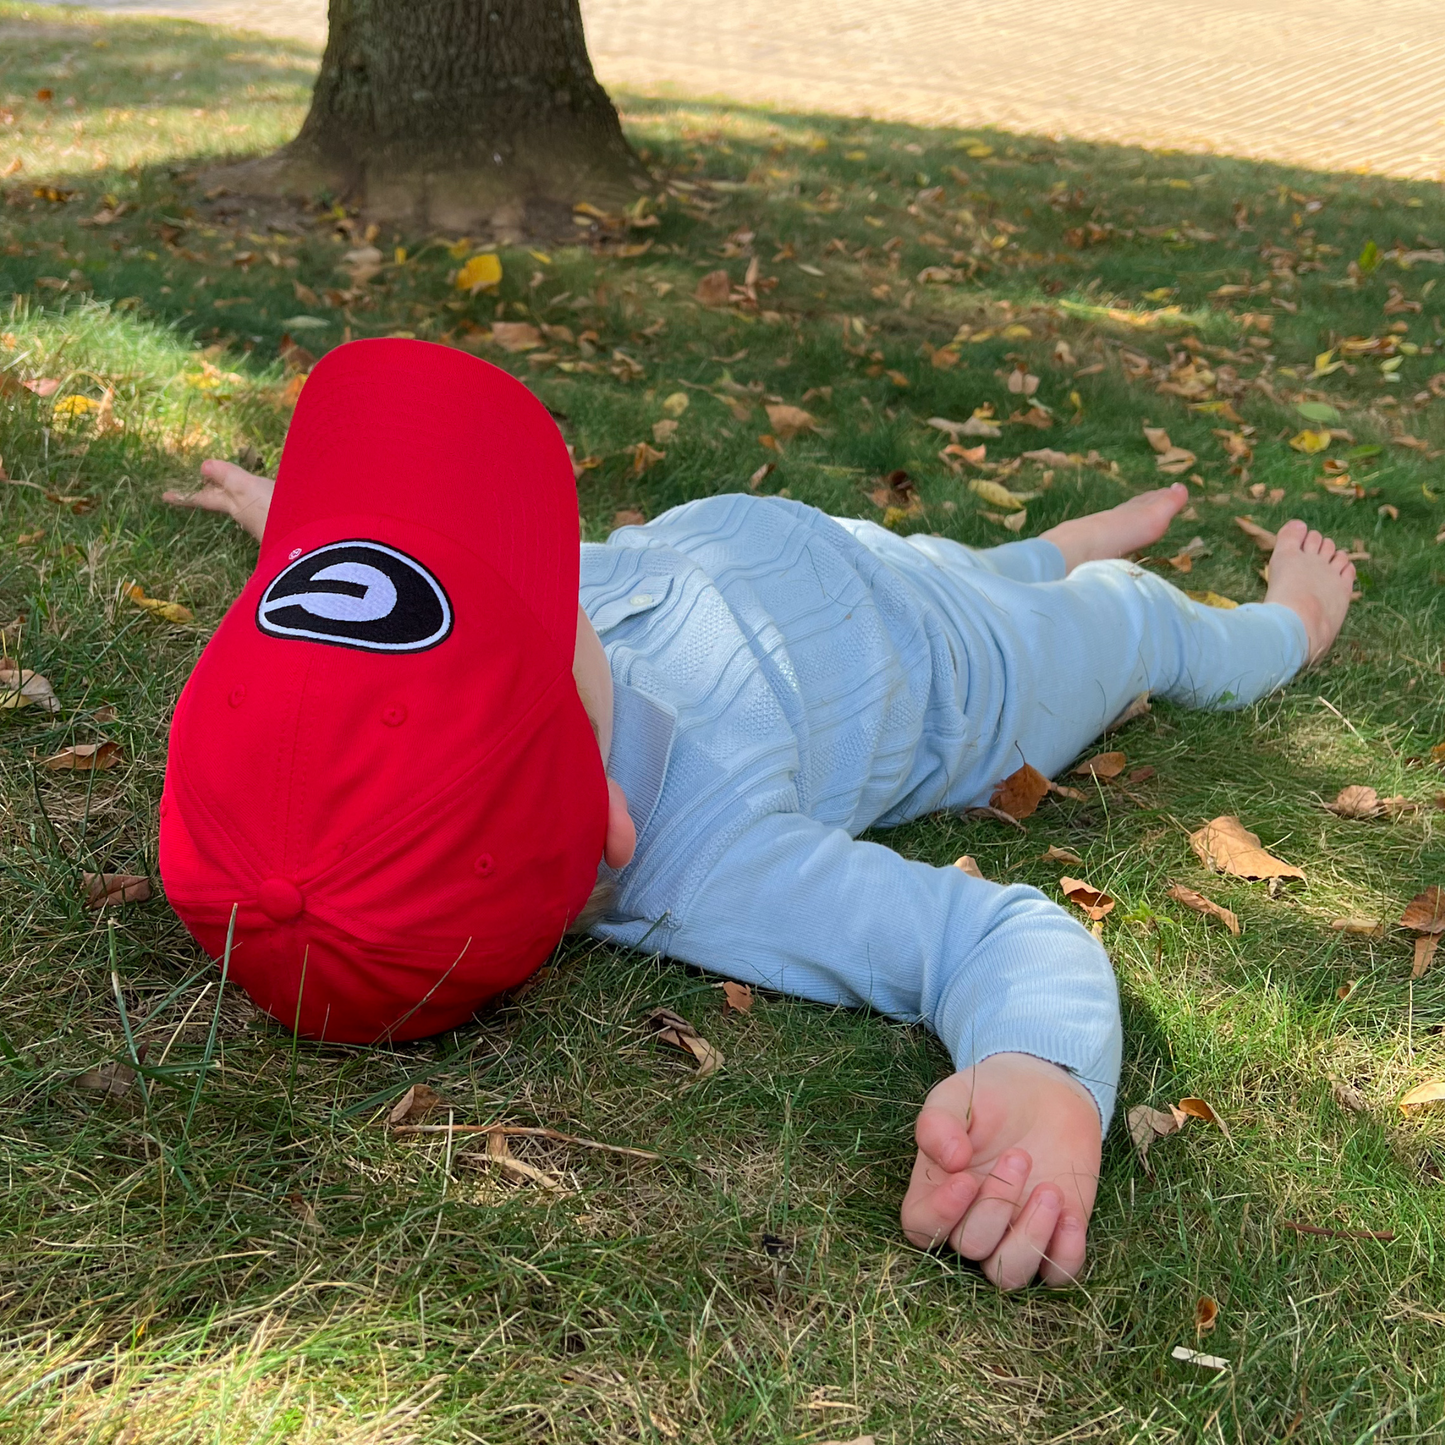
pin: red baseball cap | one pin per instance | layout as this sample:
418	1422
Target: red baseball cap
381	761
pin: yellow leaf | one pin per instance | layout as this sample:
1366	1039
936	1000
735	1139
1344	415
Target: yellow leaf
1431	1093
1309	442
481	273
166	611
995	494
74	406
1212	599
675	404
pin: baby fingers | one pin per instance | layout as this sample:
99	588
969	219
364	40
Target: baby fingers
990	1215
1064	1261
935	1202
1015	1262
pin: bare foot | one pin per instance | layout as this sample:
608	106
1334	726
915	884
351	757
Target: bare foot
232	491
1139	522
1311	577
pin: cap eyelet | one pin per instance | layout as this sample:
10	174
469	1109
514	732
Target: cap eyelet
393	716
483	865
237	695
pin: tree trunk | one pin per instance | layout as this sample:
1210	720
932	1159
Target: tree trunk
458	114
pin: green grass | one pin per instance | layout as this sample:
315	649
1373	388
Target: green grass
283	1269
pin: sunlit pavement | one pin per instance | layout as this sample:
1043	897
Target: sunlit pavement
1333	84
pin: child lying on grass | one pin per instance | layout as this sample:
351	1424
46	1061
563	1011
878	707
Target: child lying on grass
386	774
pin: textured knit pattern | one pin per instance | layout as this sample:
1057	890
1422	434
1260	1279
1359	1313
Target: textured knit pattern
786	680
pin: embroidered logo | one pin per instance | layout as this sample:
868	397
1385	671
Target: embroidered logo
357	594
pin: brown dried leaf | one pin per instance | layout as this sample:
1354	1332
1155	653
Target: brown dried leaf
1206	1315
1137	708
1086	897
738	997
84	758
499	1152
675	1030
1227	846
1021	792
1200	904
1350	1098
1262	537
1356	801
966	864
1062	790
1146	1125
109	1078
1022	382
788	421
416	1103
20	687
516	336
761	475
1198	1109
714	289
1363	927
1102	765
1425	912
1061	855
1425	946
105	890
1422	1094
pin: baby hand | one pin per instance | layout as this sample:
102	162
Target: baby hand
1007	1169
228	489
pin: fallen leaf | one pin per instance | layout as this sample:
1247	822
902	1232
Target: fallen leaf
1425	946
499	1153
361	264
166	611
738	997
995	494
1206	1315
714	289
1361	927
1101	765
663	431
42	386
1350	1098
1200	904
1198	1109
1356	801
627	518
1309	441
416	1103
1212	599
1137	708
1061	855
1193	1357
675	404
481	273
757	478
516	335
1062	790
1263	538
673	1029
975	426
84	758
1147	1124
304	1210
105	890
1227	846
110	1078
1083	896
967	864
20	687
1170	458
643	457
788	421
1425	913
1422	1094
1021	792
1052	457
1022	382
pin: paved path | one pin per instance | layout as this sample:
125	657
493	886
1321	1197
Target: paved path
1338	84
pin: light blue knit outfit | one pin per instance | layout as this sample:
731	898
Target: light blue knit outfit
786	680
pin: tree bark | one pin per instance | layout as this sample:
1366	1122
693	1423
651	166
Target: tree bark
462	115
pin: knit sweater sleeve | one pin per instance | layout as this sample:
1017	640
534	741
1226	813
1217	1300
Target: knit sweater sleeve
797	906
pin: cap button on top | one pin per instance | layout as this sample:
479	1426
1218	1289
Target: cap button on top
280	900
394	716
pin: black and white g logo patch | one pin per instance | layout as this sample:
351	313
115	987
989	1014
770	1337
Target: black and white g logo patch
357	594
